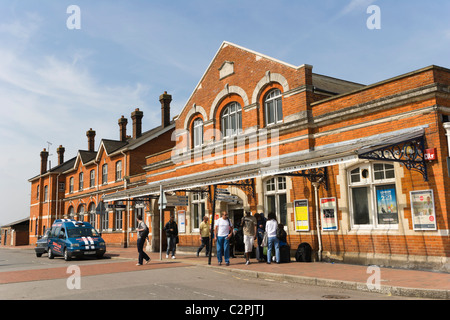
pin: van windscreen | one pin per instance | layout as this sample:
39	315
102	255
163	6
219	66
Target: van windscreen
82	232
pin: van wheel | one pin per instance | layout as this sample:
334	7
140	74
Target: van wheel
66	255
50	254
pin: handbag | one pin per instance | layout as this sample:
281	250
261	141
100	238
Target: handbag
178	240
265	241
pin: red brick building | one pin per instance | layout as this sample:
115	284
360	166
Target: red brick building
75	188
360	172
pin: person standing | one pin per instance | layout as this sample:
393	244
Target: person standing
261	229
171	229
271	229
204	235
223	230
142	235
248	224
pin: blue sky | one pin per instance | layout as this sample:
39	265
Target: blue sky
56	83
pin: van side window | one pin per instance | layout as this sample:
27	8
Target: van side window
55	231
62	234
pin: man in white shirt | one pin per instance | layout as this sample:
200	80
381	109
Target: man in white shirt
223	230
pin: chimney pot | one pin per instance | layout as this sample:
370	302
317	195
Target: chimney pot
123	128
60	152
91	139
44	158
165	100
137	116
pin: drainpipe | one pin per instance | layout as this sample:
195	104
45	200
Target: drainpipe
125	186
316	186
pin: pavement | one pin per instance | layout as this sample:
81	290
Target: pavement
398	282
390	281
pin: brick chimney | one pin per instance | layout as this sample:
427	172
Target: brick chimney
123	128
137	115
44	158
60	152
165	100
91	139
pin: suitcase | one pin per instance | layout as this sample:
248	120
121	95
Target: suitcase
303	253
285	254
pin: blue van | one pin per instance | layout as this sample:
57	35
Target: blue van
70	238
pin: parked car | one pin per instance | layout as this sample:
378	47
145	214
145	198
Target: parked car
42	244
70	238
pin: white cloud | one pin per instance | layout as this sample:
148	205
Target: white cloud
49	97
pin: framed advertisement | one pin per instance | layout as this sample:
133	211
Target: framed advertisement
386	204
423	210
181	221
328	211
301	215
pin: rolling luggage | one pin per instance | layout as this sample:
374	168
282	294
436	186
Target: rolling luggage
303	253
285	254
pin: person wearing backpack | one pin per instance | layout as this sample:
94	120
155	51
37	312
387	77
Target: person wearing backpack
142	235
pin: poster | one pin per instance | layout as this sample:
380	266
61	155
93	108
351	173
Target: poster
387	204
328	210
301	215
181	221
422	210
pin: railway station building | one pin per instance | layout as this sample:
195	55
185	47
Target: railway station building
360	172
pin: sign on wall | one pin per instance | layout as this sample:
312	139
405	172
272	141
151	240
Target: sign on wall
181	221
422	210
328	210
301	215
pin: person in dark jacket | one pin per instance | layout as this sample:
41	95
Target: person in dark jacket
171	229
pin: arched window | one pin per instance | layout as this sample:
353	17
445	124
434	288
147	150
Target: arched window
273	107
71	212
80	181
118	170
92	214
232	119
92	179
81	212
275	194
197	128
105	173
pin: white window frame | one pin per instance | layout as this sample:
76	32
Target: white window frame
276	187
231	120
92	178
367	180
198	200
105	174
197	133
119	170
273	101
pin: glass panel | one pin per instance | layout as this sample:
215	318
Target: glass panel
361	212
271	207
281	183
386	204
282	209
196	222
354	176
279	109
270	112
